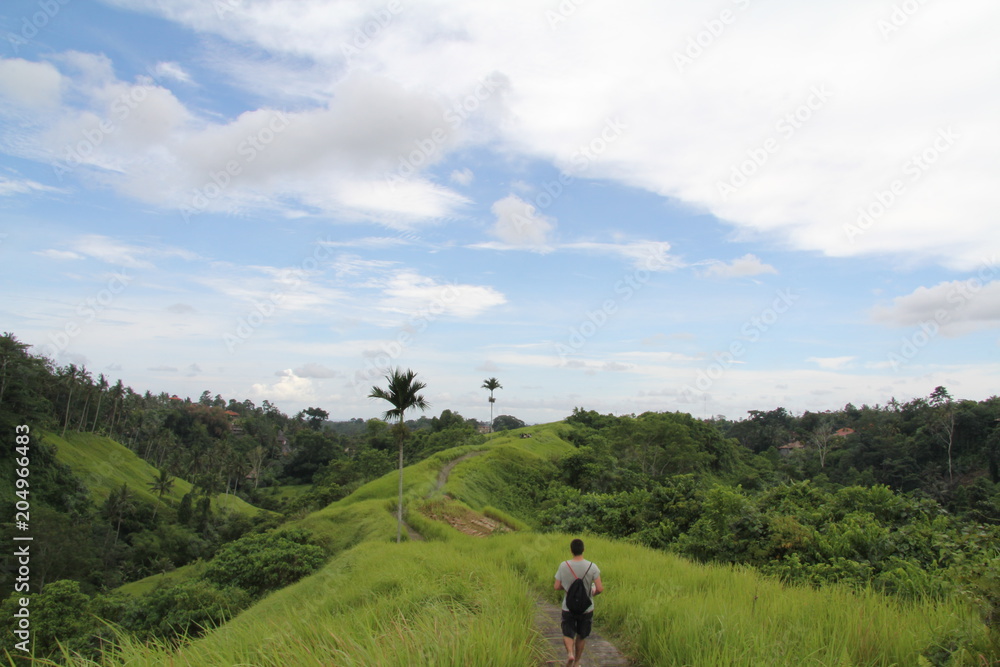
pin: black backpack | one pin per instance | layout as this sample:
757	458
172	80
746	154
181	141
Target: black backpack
578	597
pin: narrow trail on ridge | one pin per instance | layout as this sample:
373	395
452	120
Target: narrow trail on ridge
598	652
448	467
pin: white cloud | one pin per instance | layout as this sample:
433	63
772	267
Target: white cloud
276	289
657	357
648	255
803	123
462	176
10	186
314	370
29	84
59	254
171	70
954	307
290	388
832	363
409	293
520	224
111	251
744	267
359	156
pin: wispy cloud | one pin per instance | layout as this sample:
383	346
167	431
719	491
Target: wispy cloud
954	307
743	267
172	70
832	363
19	186
519	224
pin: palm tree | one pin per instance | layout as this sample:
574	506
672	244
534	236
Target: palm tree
159	486
492	384
119	504
102	387
402	395
70	374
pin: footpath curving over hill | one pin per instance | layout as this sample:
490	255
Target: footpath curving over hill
599	651
454	600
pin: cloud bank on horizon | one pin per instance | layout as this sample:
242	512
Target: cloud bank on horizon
709	209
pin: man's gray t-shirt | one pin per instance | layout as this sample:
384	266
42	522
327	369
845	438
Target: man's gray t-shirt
564	575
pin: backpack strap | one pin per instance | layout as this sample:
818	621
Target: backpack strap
574	572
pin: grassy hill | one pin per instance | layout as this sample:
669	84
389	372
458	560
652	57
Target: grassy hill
103	465
452	599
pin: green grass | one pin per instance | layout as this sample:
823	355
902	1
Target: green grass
458	600
176	576
290	491
103	465
670	611
431	604
506	477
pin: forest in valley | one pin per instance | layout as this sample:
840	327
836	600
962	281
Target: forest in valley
899	498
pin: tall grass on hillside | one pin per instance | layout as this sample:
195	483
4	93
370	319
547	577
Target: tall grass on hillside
508	477
104	464
379	604
669	611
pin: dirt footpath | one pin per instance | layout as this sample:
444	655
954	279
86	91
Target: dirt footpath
597	653
548	617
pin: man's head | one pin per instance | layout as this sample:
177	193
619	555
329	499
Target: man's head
576	546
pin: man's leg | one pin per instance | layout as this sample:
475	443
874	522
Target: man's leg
579	649
570	655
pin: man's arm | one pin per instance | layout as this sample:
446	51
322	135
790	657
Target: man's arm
599	587
558	585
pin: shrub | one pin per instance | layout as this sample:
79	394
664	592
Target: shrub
55	617
183	610
259	563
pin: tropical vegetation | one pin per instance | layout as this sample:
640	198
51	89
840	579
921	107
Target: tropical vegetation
215	532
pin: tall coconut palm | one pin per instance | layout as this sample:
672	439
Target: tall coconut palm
161	485
402	394
70	374
492	384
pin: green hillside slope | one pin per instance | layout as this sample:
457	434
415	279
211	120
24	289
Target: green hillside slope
103	464
456	600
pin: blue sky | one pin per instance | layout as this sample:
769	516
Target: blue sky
665	206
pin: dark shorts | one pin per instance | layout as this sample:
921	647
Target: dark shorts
577	625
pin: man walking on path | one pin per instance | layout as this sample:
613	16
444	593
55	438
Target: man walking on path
576	626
